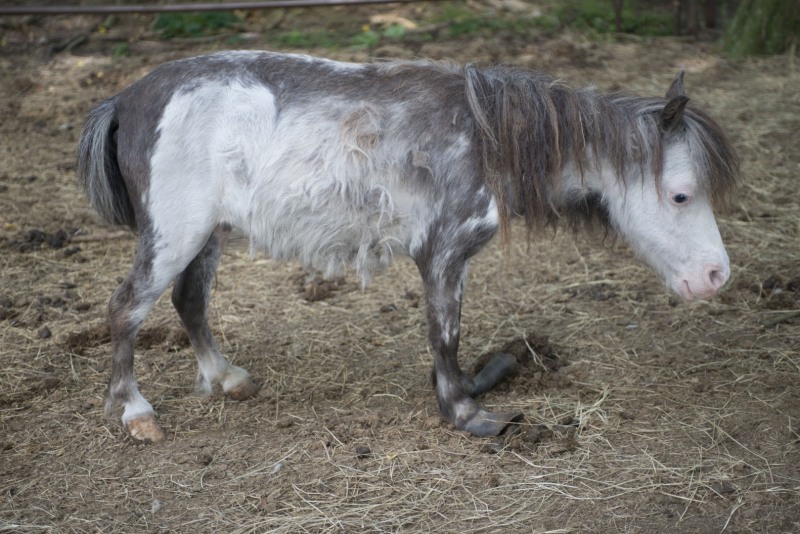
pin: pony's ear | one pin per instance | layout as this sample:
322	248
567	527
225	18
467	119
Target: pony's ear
672	114
676	87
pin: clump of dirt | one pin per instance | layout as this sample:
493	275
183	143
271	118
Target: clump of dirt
93	337
315	288
7	310
170	338
36	238
778	292
533	352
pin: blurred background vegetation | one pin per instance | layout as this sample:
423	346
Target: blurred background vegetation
741	27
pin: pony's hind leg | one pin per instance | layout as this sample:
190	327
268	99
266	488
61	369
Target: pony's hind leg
161	257
127	310
190	297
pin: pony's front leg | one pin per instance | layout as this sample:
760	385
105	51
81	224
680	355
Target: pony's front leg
454	389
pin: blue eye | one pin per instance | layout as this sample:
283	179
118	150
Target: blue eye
680	198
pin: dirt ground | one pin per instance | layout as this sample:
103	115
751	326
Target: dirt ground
643	414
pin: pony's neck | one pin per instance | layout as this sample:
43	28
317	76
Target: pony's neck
579	199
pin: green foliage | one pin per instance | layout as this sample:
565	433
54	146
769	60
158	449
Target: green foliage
461	21
395	31
193	24
366	39
299	39
121	50
456	20
597	16
762	27
109	21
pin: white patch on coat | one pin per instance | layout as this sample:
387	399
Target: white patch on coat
323	184
187	191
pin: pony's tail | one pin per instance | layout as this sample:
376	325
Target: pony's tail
98	168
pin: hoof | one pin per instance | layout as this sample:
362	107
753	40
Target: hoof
146	428
496	369
244	391
484	423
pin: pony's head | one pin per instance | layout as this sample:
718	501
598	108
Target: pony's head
668	218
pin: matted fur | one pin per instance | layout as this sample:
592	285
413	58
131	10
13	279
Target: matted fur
530	125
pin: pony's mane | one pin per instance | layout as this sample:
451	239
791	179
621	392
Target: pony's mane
529	126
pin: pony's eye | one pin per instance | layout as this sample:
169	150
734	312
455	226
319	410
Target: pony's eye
680	198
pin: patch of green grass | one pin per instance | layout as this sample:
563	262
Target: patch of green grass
597	17
366	39
121	50
592	17
300	39
461	21
193	24
395	31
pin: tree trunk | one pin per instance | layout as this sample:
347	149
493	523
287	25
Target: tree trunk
763	27
618	15
692	18
711	14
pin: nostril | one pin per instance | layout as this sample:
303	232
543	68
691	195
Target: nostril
717	278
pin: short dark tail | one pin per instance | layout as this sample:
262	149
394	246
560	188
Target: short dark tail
99	170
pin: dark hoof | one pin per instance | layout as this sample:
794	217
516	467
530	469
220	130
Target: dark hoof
484	423
496	369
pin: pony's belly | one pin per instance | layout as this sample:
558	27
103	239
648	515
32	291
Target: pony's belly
330	233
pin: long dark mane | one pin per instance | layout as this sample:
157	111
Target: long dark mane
529	126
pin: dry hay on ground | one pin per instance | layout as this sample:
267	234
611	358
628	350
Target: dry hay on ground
644	414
